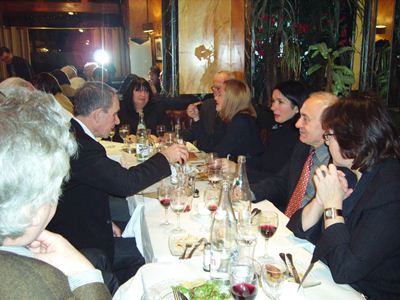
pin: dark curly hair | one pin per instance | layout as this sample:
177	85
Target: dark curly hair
363	129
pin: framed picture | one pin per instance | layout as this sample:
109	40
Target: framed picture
158	49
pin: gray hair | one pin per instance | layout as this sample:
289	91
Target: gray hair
91	96
35	148
14	82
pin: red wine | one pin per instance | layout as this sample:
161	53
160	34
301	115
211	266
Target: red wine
267	230
165	202
187	208
212	207
244	291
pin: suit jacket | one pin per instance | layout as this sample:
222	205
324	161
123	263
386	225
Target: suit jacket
28	278
365	250
83	213
278	188
19	67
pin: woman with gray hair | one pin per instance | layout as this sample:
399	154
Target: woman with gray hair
35	147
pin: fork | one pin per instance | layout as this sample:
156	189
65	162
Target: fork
187	246
178	295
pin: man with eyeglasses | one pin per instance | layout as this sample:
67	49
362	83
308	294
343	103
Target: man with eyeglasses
293	188
206	113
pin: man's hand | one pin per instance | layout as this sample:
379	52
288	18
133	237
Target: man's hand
228	166
176	153
116	230
57	251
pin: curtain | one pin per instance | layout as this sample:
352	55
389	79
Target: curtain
112	40
17	40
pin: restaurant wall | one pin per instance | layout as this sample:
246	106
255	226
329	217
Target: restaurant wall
211	38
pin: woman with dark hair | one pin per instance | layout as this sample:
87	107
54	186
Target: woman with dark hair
48	83
287	99
64	83
355	230
137	96
235	131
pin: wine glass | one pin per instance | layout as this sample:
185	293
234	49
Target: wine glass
178	205
268	224
160	130
211	198
273	274
214	168
169	138
243	280
124	131
164	196
111	134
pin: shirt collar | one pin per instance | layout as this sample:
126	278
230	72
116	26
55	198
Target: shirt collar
17	250
322	153
85	129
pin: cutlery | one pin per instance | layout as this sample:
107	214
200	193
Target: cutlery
283	257
254	213
178	295
202	240
187	246
293	268
305	274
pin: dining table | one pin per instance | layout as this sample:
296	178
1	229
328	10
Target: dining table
163	269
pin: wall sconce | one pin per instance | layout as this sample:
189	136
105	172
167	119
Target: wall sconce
147	27
380	29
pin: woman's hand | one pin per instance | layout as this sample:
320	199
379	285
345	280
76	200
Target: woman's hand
193	112
330	187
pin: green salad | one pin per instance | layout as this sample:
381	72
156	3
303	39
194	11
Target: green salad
208	290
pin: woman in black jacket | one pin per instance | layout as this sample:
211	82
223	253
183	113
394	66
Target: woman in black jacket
138	96
235	131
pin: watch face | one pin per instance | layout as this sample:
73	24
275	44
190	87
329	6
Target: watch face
328	213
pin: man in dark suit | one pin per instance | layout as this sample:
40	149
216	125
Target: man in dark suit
279	189
16	66
35	149
83	216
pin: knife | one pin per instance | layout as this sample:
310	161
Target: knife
305	275
294	271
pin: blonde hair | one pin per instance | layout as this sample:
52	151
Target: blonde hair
237	100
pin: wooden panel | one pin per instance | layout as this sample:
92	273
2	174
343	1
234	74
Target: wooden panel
41	6
385	16
137	15
211	39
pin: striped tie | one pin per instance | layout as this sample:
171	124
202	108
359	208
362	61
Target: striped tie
300	190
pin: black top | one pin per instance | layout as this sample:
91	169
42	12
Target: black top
277	151
238	137
19	67
364	251
154	112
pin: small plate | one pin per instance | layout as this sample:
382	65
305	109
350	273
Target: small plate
177	244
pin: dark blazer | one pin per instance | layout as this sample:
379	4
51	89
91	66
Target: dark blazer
19	67
365	250
83	213
278	188
238	137
28	278
282	138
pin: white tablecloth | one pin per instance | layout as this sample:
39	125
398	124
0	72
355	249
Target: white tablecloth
163	268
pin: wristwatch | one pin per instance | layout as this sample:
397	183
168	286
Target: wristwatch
332	213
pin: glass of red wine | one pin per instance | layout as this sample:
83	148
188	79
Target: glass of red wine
267	224
164	196
243	280
211	198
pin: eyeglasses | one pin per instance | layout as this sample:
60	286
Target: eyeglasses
327	136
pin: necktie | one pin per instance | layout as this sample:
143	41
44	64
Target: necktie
300	190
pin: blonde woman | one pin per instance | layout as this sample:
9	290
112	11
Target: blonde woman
235	131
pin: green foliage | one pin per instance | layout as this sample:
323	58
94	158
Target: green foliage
339	78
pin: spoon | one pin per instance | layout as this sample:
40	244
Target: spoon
283	257
202	240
